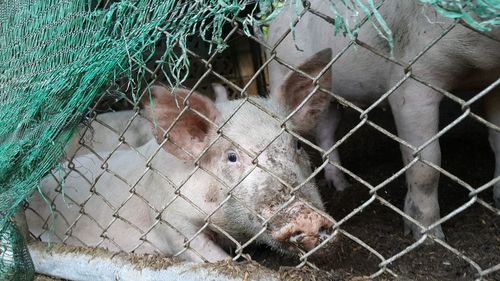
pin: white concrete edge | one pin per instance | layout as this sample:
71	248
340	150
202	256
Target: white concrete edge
77	264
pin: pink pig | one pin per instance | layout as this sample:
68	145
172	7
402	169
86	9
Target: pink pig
164	199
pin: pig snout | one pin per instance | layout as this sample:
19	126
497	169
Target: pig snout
306	229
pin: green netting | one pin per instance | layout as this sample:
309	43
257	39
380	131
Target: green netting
57	56
14	256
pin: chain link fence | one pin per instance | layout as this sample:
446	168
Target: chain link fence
365	230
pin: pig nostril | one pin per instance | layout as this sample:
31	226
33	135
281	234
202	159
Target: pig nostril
296	237
324	233
325	229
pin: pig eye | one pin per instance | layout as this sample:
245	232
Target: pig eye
232	156
299	145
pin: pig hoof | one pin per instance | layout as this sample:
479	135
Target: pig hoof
335	178
416	231
426	213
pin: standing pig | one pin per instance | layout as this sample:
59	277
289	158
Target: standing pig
462	60
164	194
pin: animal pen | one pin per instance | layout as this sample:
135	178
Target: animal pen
66	65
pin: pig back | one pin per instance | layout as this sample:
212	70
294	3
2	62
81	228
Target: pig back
92	206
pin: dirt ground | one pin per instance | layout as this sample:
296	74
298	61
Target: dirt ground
374	157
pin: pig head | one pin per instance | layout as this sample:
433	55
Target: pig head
257	164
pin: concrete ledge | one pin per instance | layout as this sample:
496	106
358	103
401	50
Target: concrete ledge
81	263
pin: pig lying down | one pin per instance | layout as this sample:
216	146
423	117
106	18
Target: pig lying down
163	197
461	60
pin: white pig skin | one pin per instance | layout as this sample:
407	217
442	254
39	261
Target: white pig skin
103	133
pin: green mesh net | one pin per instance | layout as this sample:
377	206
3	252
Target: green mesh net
56	57
15	260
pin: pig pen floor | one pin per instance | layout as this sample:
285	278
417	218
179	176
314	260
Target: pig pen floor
374	157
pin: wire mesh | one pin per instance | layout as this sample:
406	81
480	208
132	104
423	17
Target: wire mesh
383	261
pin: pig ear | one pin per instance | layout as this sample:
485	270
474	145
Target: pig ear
296	88
190	130
220	93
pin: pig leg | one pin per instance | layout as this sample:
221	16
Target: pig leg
325	138
206	247
492	104
416	113
169	241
